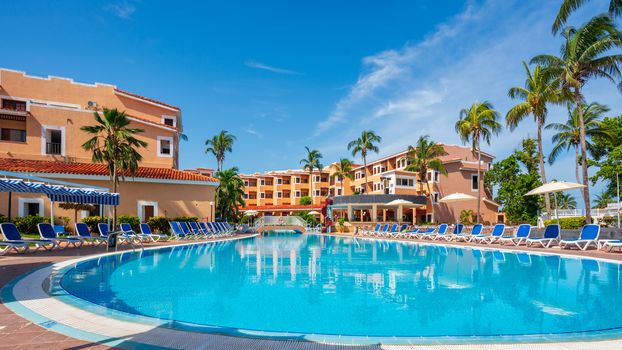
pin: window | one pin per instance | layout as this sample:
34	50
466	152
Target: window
262	182
297	194
428	218
474	183
15	135
262	195
316	178
19	106
52	140
279	195
30	206
165	146
435	197
245	183
169	120
279	181
405	182
316	193
437	176
339	191
245	195
297	179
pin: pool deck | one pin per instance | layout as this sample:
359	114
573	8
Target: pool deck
19	333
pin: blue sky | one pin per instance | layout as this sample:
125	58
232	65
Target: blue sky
282	75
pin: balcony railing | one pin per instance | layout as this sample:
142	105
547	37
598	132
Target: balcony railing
52	148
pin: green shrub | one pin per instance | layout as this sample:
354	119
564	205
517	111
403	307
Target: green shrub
159	224
568	223
92	221
62	220
305	200
341	221
134	221
28	224
467	217
4	218
310	219
186	218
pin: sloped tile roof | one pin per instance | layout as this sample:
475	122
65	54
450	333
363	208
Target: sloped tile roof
55	167
145	98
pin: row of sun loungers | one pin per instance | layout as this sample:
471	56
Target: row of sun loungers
522	235
50	238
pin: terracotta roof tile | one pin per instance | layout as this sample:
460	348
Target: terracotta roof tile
53	167
146	98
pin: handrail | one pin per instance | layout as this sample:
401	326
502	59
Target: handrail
280	221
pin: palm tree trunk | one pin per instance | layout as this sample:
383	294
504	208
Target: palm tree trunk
479	190
431	195
115	180
547	199
365	172
342	185
586	189
576	164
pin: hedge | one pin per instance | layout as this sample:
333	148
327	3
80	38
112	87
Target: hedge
92	221
568	223
28	224
186	218
159	224
134	221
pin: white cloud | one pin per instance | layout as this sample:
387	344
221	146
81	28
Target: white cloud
262	66
122	9
254	133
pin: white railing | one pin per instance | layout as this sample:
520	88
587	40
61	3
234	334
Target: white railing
572	213
280	221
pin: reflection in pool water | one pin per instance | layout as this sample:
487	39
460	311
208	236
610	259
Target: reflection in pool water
332	285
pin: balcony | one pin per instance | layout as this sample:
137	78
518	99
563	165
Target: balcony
53	148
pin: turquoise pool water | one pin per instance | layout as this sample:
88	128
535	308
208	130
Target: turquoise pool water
313	284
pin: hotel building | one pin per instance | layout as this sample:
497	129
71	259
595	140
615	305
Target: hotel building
279	192
40	121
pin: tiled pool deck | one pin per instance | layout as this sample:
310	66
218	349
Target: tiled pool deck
100	332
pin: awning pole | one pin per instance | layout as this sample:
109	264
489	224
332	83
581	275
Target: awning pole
52	213
10	204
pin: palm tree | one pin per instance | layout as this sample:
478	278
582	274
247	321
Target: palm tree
568	133
423	157
365	143
541	88
343	170
584	56
476	124
569	6
114	143
220	144
565	200
311	162
602	199
229	193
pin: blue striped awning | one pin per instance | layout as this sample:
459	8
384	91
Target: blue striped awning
58	193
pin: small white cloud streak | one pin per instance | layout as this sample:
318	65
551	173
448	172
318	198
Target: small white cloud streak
262	66
254	132
122	9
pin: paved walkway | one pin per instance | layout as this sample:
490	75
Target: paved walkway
18	333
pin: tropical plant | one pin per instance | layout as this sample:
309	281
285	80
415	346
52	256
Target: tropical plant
565	200
364	144
115	144
343	170
220	144
159	224
512	178
229	193
541	88
92	221
312	161
424	156
132	220
305	200
476	124
569	133
602	199
569	6
76	207
584	56
467	217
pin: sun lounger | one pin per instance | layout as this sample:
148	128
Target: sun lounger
497	233
522	234
551	236
17	247
609	244
47	232
440	233
427	233
589	236
369	232
84	234
11	235
459	234
145	230
391	231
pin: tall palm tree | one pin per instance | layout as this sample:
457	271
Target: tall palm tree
343	170
364	144
229	193
114	143
584	55
541	88
423	157
569	134
565	200
476	124
569	6
312	161
220	144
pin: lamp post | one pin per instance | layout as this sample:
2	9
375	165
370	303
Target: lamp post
211	211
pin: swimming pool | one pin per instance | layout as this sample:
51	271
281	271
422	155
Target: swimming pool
313	284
